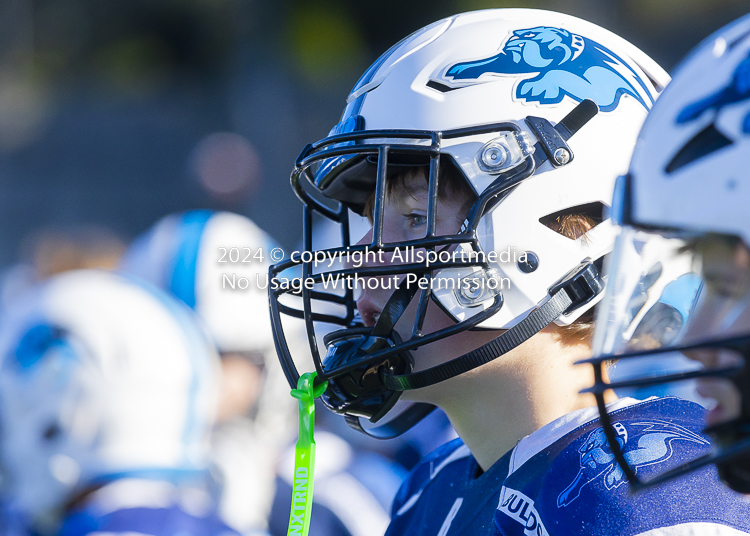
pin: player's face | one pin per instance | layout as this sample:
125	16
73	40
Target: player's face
405	218
726	272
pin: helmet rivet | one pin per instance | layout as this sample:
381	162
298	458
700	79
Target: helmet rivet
472	291
494	155
562	156
531	262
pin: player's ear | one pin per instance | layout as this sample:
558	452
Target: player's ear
579	333
574	226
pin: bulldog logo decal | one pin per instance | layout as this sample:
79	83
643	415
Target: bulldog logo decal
562	63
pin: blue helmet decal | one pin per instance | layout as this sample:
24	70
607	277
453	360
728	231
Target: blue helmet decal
37	341
737	90
565	64
644	443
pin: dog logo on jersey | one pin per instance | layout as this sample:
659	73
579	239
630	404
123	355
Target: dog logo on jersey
738	90
564	64
650	442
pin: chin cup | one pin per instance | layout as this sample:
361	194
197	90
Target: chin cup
355	382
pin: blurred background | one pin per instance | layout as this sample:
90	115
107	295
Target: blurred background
115	113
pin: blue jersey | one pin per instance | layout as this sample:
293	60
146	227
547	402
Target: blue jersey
563	480
146	508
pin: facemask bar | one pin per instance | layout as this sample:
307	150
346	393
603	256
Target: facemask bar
718	455
346	146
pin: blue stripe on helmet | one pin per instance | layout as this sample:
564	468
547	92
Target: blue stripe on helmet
190	231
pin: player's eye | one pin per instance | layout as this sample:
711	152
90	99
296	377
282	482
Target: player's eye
416	219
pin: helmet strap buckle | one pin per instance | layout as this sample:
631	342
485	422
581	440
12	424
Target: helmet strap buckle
583	283
553	138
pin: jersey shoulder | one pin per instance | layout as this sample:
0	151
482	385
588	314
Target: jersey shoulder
448	494
576	486
427	470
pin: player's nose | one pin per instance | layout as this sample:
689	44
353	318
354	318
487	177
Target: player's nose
370	257
372	292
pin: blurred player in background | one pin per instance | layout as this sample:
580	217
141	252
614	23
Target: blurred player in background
107	398
188	255
217	263
498	131
680	271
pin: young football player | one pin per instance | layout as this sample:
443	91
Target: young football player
107	397
200	257
484	149
683	208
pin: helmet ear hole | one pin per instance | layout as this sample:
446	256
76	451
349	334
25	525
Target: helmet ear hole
575	222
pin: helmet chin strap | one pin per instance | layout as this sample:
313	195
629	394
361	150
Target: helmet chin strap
537	320
578	287
384	327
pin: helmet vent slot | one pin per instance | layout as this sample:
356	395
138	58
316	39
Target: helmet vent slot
703	144
442	88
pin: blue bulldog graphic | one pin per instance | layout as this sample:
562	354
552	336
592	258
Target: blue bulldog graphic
564	63
650	443
738	90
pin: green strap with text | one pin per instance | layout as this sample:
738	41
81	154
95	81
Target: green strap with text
304	459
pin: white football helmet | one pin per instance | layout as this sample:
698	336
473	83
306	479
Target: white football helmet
101	378
217	263
539	113
679	276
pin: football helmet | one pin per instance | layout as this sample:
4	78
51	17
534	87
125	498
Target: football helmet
679	272
101	378
190	254
538	112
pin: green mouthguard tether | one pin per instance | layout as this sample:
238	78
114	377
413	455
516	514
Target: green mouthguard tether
304	459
